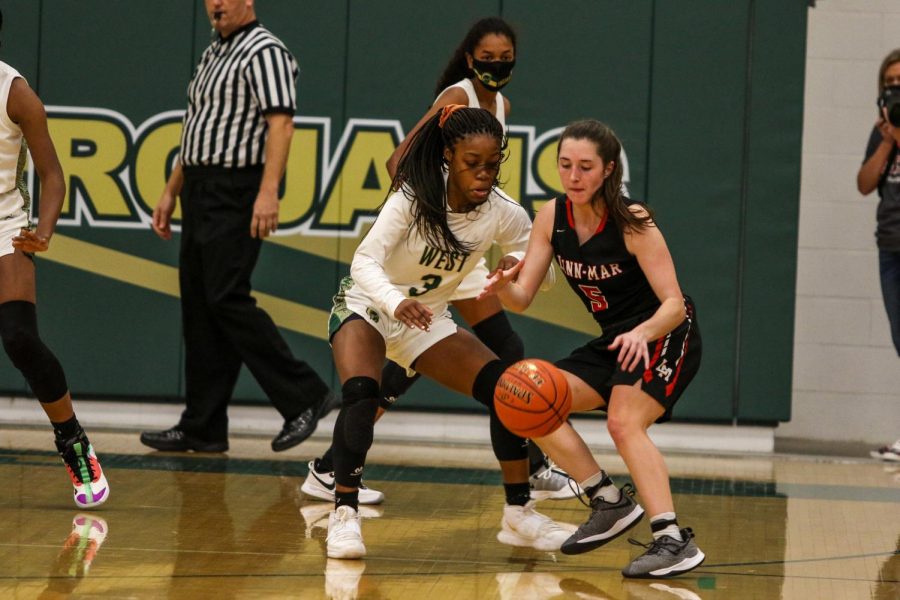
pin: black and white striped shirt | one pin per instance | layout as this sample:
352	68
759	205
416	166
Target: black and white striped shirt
239	80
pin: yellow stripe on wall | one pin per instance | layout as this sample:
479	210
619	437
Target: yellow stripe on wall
164	279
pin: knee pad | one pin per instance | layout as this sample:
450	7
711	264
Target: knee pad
18	328
359	409
506	445
354	429
497	334
394	383
486	381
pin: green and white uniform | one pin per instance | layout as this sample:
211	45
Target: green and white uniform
394	262
15	204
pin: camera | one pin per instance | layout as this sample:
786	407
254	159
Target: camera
890	102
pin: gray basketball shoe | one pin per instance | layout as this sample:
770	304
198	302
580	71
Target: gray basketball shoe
666	557
608	521
550	483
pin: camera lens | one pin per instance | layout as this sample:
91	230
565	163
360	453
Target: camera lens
890	101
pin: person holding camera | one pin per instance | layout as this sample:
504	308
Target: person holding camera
881	171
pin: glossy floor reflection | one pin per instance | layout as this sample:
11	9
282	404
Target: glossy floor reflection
236	526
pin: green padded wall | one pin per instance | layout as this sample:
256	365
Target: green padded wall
707	97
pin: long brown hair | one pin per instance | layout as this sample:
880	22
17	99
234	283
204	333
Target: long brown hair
609	148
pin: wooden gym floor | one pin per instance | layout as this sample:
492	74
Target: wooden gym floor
236	526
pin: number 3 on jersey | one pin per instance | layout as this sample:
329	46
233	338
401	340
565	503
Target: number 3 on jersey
429	282
593	293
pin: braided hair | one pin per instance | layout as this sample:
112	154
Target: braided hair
420	171
609	148
458	67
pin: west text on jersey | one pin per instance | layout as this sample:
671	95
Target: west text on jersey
439	259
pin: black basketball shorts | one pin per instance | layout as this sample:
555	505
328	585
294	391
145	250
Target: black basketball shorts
674	360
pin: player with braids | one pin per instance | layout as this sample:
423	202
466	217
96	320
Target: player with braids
430	233
479	68
617	262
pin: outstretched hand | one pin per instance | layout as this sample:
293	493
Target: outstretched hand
499	277
29	241
632	350
414	314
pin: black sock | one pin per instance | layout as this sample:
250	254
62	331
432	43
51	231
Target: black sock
67	429
326	463
350	499
517	494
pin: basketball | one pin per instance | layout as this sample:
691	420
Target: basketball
532	398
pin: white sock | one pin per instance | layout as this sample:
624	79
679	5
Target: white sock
671	529
592	480
592	485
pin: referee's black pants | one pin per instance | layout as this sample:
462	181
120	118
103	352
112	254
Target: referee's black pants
222	326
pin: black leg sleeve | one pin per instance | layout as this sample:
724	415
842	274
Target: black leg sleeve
497	334
506	445
29	354
354	429
394	383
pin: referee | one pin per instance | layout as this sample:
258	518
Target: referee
234	145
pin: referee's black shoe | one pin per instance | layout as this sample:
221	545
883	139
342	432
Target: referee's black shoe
303	425
176	440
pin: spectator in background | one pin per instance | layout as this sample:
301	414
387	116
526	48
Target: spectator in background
881	171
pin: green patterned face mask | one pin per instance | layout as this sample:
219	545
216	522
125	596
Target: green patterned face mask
493	74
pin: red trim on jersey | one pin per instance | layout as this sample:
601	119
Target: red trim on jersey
571	217
602	223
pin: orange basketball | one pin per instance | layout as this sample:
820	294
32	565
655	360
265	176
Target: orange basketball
532	398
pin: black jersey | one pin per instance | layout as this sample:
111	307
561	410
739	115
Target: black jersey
602	272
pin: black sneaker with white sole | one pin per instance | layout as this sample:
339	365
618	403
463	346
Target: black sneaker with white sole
666	557
608	521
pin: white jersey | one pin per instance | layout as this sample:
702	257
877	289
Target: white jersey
14	201
469	88
394	262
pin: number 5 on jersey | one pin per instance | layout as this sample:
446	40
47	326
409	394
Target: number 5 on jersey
593	293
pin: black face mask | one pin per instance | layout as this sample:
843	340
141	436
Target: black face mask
493	74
